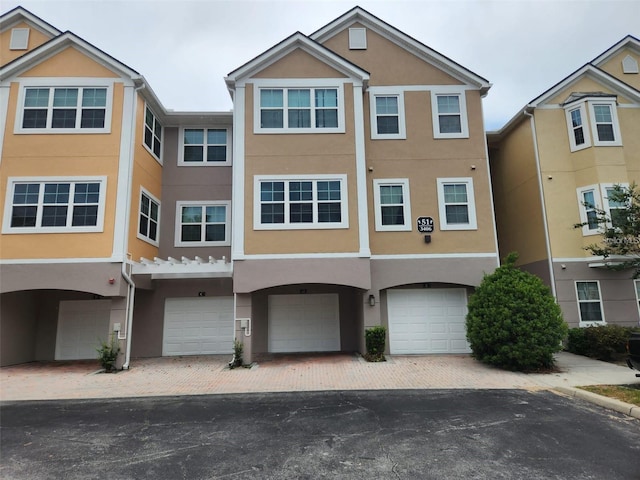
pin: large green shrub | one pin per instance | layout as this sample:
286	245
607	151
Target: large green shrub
604	342
514	321
375	341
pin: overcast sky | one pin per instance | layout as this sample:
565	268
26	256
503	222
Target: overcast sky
184	48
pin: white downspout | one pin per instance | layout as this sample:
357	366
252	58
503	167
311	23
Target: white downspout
542	202
131	293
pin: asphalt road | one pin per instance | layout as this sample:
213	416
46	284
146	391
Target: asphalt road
431	434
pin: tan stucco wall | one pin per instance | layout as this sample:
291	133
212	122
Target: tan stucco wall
517	198
613	66
391	64
303	154
299	64
36	38
147	173
70	62
64	155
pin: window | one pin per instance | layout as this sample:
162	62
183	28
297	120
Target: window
55	205
456	204
152	133
202	223
615	210
392	205
578	133
204	146
387	116
298	110
65	109
449	115
589	202
149	218
300	202
589	303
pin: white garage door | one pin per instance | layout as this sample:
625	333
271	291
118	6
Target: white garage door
427	321
198	326
82	325
304	323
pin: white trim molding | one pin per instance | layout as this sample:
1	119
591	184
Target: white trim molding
403	183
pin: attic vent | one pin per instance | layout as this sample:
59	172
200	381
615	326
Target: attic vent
357	38
19	39
629	65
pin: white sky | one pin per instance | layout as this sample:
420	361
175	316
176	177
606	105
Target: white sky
184	48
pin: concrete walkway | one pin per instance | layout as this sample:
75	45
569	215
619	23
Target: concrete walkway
203	375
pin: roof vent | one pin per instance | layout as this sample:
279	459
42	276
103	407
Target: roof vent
357	38
20	39
629	65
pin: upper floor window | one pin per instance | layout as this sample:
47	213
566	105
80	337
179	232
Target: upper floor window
149	218
392	205
202	223
65	110
589	303
449	114
204	146
300	202
387	115
152	133
456	204
299	110
594	199
595	118
54	205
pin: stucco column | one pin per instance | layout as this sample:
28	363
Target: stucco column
244	324
370	314
118	316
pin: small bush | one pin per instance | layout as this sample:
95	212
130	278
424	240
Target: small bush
108	354
514	321
375	340
237	361
603	342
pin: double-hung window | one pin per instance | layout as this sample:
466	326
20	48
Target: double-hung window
616	210
579	137
449	114
302	202
67	109
149	218
152	133
592	121
392	204
456	204
605	124
202	223
55	205
594	200
589	303
299	110
387	114
204	146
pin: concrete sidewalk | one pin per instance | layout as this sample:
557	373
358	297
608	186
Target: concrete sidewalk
203	375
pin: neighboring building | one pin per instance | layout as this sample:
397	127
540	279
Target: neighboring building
289	224
555	161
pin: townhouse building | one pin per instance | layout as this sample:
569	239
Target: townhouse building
349	188
556	161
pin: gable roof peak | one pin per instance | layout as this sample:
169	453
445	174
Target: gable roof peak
18	14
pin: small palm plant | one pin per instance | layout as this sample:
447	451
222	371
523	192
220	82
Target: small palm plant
108	354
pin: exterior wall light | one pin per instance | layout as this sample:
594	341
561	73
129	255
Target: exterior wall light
372	300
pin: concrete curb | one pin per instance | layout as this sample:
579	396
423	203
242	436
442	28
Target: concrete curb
606	402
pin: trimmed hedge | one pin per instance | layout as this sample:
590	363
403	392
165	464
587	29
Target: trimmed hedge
375	340
513	321
603	342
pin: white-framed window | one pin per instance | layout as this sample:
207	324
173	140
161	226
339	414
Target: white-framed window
579	137
589	303
387	115
204	146
202	223
64	108
152	133
54	205
589	202
392	204
615	210
456	204
300	202
449	114
302	107
149	218
604	123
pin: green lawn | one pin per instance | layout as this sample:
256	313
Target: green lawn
625	393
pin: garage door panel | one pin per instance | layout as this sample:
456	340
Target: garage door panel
304	323
198	326
427	321
82	325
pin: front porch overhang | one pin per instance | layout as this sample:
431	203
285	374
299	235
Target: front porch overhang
172	268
